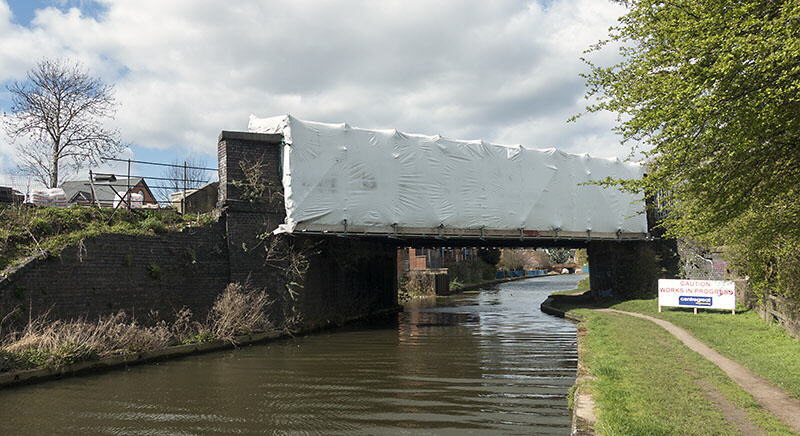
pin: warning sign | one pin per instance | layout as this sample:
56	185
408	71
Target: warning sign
709	294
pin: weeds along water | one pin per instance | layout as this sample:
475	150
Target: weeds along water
52	343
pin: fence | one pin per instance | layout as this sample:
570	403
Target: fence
104	188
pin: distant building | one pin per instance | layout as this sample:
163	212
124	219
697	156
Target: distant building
418	259
108	191
196	200
11	196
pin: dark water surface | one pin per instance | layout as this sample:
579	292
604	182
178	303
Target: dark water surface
479	363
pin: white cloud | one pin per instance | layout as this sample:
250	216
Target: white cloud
186	69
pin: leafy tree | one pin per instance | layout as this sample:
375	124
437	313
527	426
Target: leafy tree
581	256
489	255
56	119
513	259
711	92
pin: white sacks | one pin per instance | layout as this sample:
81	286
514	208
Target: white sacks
337	177
53	197
136	199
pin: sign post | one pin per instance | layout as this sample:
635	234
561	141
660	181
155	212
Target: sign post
709	294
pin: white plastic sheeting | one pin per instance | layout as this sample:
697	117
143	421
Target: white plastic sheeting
336	176
134	198
52	197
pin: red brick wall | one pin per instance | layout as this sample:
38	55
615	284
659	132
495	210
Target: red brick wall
417	260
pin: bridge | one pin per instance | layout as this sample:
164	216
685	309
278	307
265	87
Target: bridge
359	194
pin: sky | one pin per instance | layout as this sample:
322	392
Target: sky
183	70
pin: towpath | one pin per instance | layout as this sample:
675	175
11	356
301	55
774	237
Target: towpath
772	398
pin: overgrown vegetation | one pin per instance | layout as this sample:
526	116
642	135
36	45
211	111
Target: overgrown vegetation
712	91
470	272
290	259
256	187
238	310
44	231
415	284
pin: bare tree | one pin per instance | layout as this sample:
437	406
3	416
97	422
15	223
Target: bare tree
560	255
56	120
189	169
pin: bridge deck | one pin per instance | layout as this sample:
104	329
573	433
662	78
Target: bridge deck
444	233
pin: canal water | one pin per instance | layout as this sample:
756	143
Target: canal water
487	362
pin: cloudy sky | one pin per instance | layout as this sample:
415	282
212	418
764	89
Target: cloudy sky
504	71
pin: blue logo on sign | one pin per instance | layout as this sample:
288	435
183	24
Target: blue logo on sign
694	301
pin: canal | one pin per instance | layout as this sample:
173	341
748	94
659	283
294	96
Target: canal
486	362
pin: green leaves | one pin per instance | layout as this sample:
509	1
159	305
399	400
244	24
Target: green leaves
712	89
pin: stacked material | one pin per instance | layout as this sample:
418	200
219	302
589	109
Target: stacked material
53	197
340	178
136	200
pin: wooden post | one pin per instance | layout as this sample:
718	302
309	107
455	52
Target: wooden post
695	311
659	308
183	197
128	192
94	194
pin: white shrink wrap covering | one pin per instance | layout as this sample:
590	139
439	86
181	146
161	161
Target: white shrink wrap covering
337	177
53	197
136	199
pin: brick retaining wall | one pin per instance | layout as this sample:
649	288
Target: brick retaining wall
137	274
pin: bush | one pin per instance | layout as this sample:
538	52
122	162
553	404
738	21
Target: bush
763	246
470	271
238	311
417	283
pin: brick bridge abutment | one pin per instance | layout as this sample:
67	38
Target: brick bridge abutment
345	278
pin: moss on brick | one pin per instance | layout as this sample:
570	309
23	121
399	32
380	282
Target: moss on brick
44	231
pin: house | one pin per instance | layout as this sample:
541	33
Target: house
108	191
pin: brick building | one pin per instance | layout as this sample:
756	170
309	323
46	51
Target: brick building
419	259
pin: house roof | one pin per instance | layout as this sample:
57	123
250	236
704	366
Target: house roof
81	190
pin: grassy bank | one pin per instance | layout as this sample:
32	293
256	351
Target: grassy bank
648	383
645	381
766	349
42	231
583	286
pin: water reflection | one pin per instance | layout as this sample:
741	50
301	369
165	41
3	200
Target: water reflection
479	363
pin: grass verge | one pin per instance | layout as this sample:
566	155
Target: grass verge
646	382
764	348
583	286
